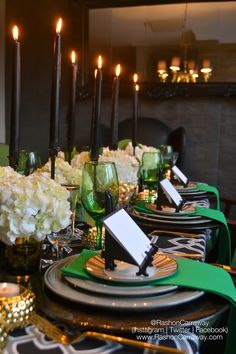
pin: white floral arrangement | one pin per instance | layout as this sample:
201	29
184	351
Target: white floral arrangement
8	173
32	206
127	166
139	150
80	159
64	172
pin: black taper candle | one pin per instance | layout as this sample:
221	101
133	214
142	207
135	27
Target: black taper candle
55	99
72	107
96	119
15	103
115	110
135	113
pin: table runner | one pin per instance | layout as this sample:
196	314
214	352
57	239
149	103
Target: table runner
224	243
210	189
31	340
177	244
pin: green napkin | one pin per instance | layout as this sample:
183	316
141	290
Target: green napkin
210	189
190	274
76	267
224	243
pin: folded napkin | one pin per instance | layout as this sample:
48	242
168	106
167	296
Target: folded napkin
210	189
190	274
224	242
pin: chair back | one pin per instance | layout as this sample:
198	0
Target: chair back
4	153
152	131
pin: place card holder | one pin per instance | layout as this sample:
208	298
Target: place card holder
147	262
177	174
113	250
168	196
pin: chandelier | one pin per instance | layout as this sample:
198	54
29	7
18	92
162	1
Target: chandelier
187	74
187	71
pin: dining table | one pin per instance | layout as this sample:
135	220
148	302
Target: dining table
77	315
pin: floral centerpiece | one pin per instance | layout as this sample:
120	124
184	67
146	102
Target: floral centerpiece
139	150
7	173
30	208
64	172
126	165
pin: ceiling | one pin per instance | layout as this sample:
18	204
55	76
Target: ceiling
163	24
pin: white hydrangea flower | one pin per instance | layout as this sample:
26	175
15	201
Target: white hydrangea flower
79	160
139	150
8	172
126	165
33	206
64	172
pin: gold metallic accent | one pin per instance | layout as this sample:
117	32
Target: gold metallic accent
56	334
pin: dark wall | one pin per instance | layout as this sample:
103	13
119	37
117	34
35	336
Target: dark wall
37	22
210	122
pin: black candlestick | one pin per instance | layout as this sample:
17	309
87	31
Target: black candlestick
114	112
71	110
15	104
96	119
55	100
135	117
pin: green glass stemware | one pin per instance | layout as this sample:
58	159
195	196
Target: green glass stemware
97	178
167	157
150	171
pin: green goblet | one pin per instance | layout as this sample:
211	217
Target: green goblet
167	158
150	171
97	178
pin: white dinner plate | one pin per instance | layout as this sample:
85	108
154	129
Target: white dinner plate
163	266
55	283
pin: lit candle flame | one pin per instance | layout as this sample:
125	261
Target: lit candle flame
118	70
59	25
4	286
135	78
95	73
99	62
73	57
15	33
136	87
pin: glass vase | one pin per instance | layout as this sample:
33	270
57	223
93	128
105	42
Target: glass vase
23	257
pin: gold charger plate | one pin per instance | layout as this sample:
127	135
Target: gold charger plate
163	266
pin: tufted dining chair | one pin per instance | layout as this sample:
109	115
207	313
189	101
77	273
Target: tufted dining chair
152	131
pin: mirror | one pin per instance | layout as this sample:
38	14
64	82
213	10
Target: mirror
148	39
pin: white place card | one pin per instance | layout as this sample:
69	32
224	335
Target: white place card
179	174
170	192
128	234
